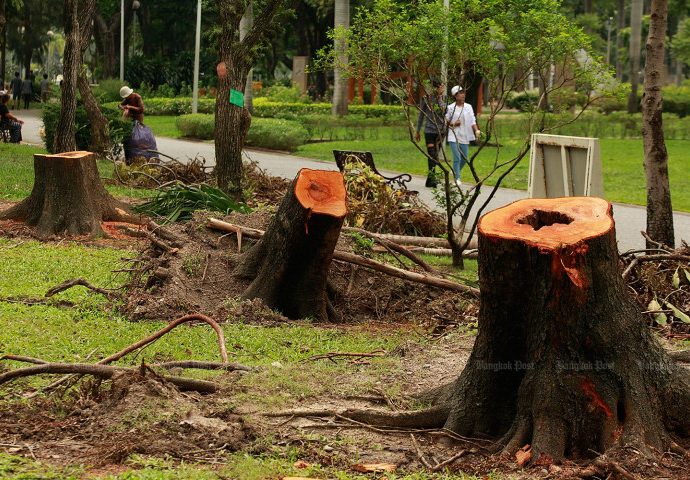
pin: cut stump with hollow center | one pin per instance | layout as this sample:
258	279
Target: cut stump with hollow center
563	360
68	197
289	265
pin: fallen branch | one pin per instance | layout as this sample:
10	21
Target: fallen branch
332	355
22	358
164	233
230	367
455	457
67	284
101	371
654	242
357	260
420	455
388	244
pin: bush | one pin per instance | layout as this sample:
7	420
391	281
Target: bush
119	128
677	100
173	106
199	125
280	93
274	133
108	90
565	99
526	101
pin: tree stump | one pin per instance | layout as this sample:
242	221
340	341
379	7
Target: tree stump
290	263
68	197
563	360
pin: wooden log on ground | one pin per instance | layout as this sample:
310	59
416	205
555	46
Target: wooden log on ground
563	360
289	265
68	197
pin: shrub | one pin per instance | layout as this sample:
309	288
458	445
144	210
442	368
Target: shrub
173	106
199	125
108	90
280	93
526	101
119	128
677	100
274	133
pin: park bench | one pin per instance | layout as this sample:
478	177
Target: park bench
342	156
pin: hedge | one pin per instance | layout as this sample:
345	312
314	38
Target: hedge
118	127
273	133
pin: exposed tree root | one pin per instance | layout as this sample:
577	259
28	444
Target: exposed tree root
67	284
102	371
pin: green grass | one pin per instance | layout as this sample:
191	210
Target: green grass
621	159
17	177
163	125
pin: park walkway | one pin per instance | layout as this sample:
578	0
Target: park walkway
630	219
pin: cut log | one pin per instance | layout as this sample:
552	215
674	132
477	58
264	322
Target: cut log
563	360
68	197
289	265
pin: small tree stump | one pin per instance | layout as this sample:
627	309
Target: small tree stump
290	263
68	197
563	360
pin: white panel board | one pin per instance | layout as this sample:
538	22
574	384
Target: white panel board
562	166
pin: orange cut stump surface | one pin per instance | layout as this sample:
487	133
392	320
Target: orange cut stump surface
322	192
549	223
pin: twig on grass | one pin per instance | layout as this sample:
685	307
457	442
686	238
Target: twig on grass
67	284
420	455
356	355
455	457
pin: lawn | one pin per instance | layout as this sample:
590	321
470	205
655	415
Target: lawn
163	125
17	179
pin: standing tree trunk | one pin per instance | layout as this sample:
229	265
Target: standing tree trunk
64	132
106	35
236	58
659	209
3	40
342	19
68	197
290	263
620	14
98	124
563	360
635	52
245	25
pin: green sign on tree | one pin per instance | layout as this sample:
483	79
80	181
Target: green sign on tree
236	97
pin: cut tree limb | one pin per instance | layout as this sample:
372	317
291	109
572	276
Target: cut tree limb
67	284
388	244
216	224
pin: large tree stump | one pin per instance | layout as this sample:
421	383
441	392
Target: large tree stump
67	197
290	263
563	360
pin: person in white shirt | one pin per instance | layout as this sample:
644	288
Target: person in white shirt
462	129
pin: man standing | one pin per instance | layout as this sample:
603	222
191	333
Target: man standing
432	108
27	91
16	87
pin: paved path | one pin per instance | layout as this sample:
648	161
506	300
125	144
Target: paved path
630	219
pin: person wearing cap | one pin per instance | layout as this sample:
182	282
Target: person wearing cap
462	129
431	108
132	104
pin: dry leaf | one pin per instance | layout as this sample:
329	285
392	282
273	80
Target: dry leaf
374	467
301	464
523	455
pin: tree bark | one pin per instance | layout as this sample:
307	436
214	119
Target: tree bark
245	25
659	208
619	39
635	52
3	41
64	132
563	360
289	265
342	18
107	37
67	197
98	124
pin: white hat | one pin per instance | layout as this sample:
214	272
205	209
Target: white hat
455	90
126	91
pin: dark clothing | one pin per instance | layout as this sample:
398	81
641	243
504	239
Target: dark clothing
136	104
27	100
435	140
14	127
16	87
432	109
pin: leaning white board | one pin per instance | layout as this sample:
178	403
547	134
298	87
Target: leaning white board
562	166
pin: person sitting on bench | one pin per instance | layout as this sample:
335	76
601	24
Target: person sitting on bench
9	121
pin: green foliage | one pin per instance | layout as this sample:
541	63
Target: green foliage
280	93
277	134
119	127
108	90
196	125
680	43
525	101
177	202
173	106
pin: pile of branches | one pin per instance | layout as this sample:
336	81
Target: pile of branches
660	279
265	188
154	173
374	206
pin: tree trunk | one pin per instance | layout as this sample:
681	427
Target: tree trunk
68	197
107	40
635	52
619	39
659	209
98	124
290	263
563	360
64	132
3	41
342	18
245	25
